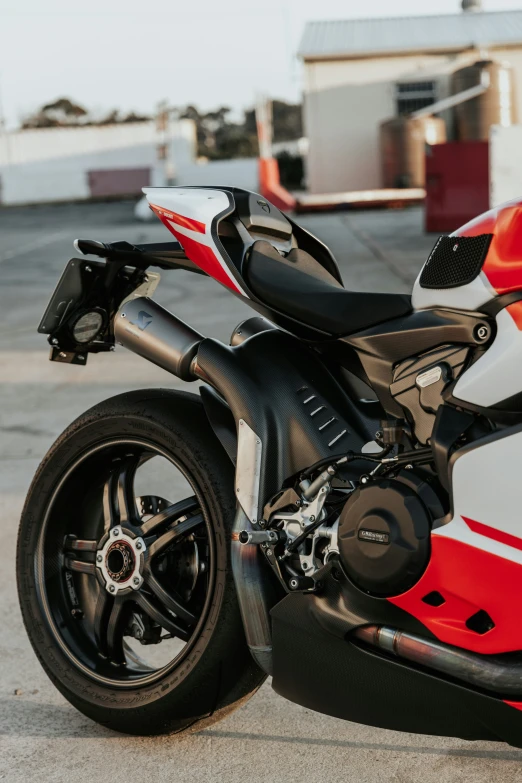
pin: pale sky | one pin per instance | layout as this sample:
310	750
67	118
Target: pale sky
131	54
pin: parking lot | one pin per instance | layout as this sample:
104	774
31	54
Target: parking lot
42	738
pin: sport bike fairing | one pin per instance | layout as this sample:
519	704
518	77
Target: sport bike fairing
476	560
192	215
497	376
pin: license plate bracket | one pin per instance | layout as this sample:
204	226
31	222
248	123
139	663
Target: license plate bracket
74	287
84	286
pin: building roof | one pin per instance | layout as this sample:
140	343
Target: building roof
450	32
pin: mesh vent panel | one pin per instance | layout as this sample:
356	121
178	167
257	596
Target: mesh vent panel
455	261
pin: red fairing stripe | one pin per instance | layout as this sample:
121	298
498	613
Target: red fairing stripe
202	255
181	220
469	579
492	532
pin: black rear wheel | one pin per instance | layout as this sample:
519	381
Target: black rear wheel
123	567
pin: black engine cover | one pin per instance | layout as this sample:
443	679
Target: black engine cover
384	534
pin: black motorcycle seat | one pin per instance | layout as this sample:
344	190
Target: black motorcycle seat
297	285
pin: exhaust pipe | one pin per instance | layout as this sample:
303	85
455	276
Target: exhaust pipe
147	329
482	671
150	331
249	328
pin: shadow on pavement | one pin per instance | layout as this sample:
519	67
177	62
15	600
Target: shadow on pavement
504	755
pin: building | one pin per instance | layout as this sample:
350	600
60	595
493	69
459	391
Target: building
77	163
102	161
360	73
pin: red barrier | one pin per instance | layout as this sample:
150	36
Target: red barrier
270	185
457	184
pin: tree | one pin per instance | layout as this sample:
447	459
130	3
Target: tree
287	121
64	113
60	112
219	137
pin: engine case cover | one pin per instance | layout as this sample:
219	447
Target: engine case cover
384	534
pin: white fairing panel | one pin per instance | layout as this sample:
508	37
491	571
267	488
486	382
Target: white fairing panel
201	204
487	490
497	375
465	297
189	213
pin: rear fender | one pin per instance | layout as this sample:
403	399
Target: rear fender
221	420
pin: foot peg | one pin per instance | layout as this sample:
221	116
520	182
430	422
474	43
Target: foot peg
258	537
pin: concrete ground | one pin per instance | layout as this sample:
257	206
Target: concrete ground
42	738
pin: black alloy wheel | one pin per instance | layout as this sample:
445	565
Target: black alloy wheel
124	571
128	567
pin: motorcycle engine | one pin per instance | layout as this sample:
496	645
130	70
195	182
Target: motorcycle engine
384	533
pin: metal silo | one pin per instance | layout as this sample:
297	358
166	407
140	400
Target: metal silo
496	106
403	146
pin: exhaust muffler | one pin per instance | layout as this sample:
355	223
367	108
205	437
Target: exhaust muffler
149	330
502	676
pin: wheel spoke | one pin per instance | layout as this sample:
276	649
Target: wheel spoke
110	497
109	626
78	565
160	616
78	545
169	515
173	533
119	505
168	600
126	501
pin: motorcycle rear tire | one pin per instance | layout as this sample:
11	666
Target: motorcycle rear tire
219	674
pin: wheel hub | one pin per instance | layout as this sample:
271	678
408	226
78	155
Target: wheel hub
120	561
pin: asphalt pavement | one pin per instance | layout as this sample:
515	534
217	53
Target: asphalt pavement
43	738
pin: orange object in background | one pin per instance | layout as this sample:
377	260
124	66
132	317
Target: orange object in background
457	184
270	185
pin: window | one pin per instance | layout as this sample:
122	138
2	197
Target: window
412	96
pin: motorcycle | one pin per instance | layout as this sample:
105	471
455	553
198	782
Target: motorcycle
342	507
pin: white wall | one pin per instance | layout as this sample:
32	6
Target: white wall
50	143
345	102
53	164
239	173
505	164
342	124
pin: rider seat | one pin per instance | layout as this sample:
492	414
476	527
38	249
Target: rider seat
297	285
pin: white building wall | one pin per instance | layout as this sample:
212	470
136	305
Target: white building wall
52	164
342	124
345	102
239	173
505	164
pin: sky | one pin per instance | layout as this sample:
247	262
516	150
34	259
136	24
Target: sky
131	54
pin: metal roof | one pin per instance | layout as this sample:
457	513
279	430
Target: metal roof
449	32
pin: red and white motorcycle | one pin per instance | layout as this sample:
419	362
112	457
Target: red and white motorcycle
345	509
